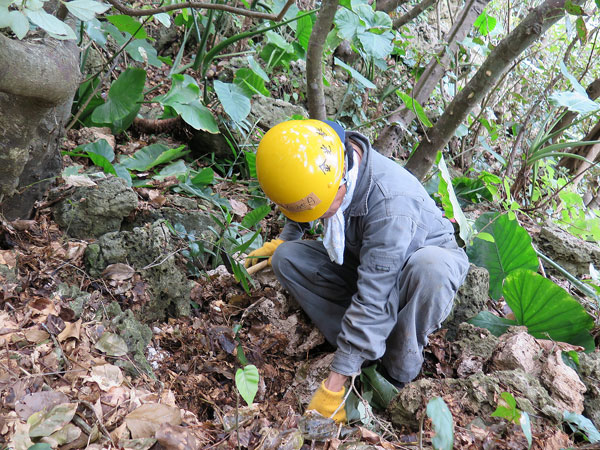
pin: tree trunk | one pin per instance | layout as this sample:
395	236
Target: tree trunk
38	82
389	5
314	60
417	10
390	136
527	32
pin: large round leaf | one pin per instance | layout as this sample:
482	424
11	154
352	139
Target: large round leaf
507	247
546	309
123	97
232	97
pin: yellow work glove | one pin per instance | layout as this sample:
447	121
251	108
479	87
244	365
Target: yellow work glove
325	402
267	249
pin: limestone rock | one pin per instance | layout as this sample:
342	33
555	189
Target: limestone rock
149	251
269	111
470	299
475	346
92	211
589	368
568	251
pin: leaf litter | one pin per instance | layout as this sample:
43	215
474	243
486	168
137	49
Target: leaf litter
68	379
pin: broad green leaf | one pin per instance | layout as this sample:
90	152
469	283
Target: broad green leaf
451	205
574	101
347	23
377	46
415	107
511	249
235	103
184	90
496	325
4	19
123	97
86	9
383	391
94	30
485	236
100	148
547	310
257	69
18	23
526	427
198	116
111	344
381	20
40	446
255	216
581	29
129	25
122	172
176	169
355	74
250	83
142	51
304	28
507	408
204	177
44	423
440	416
485	23
164	19
246	381
583	425
573	8
279	41
50	24
574	82
152	156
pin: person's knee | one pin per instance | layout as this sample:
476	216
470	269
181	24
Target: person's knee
282	257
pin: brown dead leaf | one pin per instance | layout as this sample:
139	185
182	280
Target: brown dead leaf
79	180
106	376
238	207
369	436
75	250
176	438
38	401
156	198
118	272
23	225
8	258
72	330
43	307
151	417
36	335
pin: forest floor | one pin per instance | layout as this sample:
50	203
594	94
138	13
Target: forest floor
52	355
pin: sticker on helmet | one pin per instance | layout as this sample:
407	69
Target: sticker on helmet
304	204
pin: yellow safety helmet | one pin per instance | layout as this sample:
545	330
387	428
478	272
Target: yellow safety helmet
300	164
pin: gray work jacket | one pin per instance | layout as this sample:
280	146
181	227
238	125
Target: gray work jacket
390	217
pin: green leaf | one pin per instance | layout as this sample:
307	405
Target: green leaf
111	344
377	46
142	51
176	169
250	83
511	249
415	107
98	148
50	24
93	28
573	8
485	23
40	446
246	381
574	101
122	172
440	416
184	90
44	423
235	103
304	28
526	427
583	425
251	161
153	155
204	177
129	25
86	10
496	325
257	69
123	97
581	29
355	74
347	23
383	391
508	410
198	116
255	216
18	23
547	310
451	205
574	82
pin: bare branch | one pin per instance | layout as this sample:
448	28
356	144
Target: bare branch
417	10
199	5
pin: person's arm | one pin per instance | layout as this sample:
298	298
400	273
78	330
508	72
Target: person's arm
293	231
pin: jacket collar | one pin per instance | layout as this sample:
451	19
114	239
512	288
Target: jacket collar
358	206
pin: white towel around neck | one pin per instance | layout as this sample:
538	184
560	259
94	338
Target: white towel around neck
334	238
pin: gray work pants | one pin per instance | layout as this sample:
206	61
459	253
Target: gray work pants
425	291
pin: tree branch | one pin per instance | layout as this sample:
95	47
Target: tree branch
47	71
314	60
418	9
199	5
